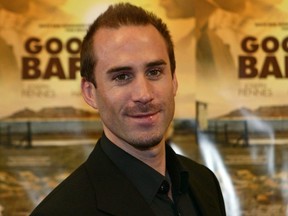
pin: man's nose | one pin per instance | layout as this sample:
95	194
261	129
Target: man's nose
142	90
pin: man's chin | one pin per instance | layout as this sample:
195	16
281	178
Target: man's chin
146	143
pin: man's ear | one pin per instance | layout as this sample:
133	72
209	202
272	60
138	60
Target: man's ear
89	93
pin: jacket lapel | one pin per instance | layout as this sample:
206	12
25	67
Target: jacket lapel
114	193
204	188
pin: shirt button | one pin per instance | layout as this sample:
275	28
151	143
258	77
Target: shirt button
164	188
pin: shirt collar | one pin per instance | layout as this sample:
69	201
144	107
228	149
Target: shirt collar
137	171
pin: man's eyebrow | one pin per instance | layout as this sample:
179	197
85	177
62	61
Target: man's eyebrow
117	69
127	68
156	63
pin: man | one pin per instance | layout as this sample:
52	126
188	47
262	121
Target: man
128	69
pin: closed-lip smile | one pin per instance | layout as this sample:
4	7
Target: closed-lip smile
146	119
143	115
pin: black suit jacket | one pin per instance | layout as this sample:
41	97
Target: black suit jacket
98	188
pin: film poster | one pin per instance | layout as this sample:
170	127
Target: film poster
231	110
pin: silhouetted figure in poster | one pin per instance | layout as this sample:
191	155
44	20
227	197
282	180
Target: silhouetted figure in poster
212	50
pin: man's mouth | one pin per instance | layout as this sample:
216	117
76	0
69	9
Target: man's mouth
145	119
143	115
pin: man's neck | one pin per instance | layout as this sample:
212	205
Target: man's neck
154	157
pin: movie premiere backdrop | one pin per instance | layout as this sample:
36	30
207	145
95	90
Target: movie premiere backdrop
231	107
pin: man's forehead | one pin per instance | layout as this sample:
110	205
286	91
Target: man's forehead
125	34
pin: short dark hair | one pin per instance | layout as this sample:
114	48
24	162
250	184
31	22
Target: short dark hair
121	14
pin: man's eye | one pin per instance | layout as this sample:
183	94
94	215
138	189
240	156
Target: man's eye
154	73
122	77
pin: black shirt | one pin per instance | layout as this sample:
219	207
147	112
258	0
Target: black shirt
148	181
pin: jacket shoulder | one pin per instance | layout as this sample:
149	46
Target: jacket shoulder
200	175
71	195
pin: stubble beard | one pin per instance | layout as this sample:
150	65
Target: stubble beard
146	143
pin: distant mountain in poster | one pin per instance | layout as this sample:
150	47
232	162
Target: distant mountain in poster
52	113
263	112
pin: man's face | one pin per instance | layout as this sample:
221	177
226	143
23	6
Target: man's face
135	89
